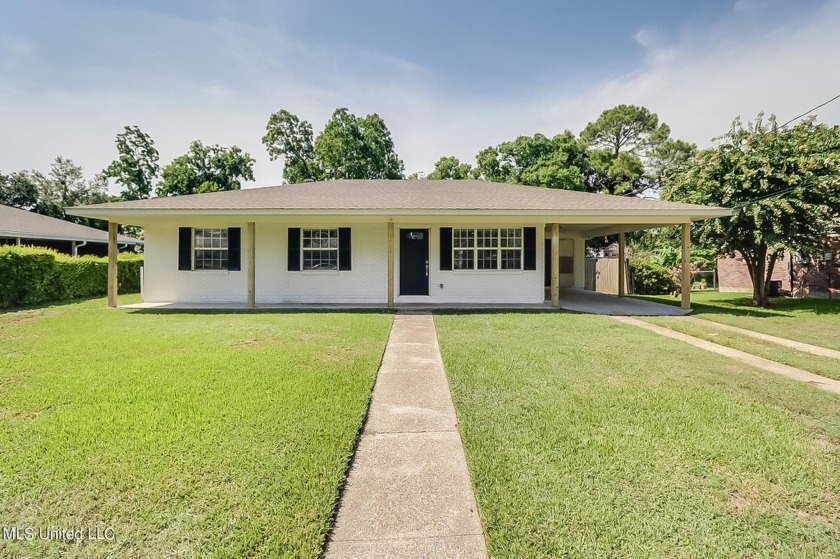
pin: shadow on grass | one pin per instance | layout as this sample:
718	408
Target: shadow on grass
323	310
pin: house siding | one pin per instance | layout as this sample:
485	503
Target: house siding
365	283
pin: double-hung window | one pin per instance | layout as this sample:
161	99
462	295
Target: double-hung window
320	249
210	249
487	249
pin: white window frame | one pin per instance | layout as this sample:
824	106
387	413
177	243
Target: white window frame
498	248
223	235
332	233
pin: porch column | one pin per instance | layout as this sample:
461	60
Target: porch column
555	264
686	266
621	271
390	263
252	264
112	264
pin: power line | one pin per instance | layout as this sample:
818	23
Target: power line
810	111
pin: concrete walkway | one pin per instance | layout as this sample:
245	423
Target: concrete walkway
409	492
828	384
801	346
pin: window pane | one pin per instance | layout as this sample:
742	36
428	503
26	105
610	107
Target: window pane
320	260
320	238
463	238
211	249
487	259
511	238
512	259
462	259
487	238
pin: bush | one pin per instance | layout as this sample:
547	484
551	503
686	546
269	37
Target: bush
33	275
649	278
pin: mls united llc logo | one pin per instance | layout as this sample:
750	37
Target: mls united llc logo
30	533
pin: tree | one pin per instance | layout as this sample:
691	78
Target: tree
783	185
450	168
620	141
18	190
535	160
347	148
291	138
137	167
206	169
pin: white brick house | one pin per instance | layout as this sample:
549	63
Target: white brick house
377	242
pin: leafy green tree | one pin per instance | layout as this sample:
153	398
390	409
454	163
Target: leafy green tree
136	168
291	138
559	162
18	190
347	148
450	168
619	142
783	185
206	169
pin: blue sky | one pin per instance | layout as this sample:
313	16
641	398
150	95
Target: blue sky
447	77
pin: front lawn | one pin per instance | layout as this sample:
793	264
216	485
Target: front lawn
590	438
190	434
813	321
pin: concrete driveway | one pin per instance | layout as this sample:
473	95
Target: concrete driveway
592	302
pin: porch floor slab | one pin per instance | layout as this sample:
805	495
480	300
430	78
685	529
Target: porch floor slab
571	299
592	302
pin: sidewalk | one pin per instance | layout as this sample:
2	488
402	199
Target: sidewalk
828	384
409	492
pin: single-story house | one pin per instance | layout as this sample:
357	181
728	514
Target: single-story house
381	242
20	227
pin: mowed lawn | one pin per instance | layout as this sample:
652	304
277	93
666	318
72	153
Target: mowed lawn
190	434
590	438
810	320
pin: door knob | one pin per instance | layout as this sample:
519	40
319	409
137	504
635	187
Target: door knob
427	268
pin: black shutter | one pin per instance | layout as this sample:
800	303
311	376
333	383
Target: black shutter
344	248
185	248
529	246
234	249
445	248
294	249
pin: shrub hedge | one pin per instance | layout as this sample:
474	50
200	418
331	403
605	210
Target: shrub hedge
649	278
35	275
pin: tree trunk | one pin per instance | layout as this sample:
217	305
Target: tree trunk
759	273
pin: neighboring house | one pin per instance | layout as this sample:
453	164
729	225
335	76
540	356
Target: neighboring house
377	242
20	227
798	275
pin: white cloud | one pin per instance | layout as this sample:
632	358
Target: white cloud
697	83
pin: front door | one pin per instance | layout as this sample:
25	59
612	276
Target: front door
414	261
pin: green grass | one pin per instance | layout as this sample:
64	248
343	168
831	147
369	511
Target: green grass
813	321
589	438
817	364
191	434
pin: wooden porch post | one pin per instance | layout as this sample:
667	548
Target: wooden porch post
112	264
252	264
390	263
555	264
621	271
686	266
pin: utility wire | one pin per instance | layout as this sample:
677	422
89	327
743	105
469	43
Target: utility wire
810	111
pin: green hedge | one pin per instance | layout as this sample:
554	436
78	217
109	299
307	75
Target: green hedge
650	278
34	275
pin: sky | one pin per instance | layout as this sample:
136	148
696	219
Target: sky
448	77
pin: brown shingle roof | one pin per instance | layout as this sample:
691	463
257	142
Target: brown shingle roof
398	195
15	223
